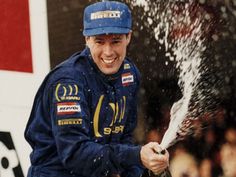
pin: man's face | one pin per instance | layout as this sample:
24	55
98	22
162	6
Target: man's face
108	51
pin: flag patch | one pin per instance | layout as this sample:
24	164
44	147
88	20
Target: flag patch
68	108
127	78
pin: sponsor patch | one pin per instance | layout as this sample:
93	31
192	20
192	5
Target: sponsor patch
67	92
105	14
68	108
72	121
126	66
127	78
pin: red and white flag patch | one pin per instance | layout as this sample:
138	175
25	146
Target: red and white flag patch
127	78
68	108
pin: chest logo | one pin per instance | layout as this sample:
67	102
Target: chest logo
118	109
127	78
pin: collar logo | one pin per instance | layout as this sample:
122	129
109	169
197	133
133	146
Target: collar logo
126	66
105	14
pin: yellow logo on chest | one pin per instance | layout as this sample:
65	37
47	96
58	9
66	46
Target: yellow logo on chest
118	109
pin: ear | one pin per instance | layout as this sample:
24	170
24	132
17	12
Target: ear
87	40
128	37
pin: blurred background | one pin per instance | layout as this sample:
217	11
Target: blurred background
54	28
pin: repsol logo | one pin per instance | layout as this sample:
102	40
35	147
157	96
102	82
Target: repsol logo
9	161
68	108
127	78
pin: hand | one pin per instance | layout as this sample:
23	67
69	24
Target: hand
152	160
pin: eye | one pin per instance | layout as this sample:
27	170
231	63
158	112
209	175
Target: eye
116	41
100	42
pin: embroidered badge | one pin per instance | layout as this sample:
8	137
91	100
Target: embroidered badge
127	78
126	66
68	108
66	92
71	121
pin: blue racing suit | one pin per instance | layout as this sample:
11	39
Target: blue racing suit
82	121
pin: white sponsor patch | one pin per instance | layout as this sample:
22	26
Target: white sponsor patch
105	14
68	108
127	78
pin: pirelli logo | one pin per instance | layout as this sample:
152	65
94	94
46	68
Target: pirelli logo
73	121
105	14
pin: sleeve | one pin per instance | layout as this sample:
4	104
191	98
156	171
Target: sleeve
72	127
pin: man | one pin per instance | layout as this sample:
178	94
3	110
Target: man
85	111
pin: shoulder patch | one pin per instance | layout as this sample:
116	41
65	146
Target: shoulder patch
66	92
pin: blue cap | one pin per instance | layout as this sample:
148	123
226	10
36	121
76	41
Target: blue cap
108	17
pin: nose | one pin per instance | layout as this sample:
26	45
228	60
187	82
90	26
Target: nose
107	50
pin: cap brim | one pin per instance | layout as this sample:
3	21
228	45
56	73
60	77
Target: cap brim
105	30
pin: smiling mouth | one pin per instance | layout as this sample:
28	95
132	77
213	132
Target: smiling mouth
109	61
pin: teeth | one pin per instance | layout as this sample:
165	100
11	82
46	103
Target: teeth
108	61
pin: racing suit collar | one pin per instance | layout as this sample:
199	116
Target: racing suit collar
111	77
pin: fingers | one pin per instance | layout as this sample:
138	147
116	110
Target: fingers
157	148
152	160
159	168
